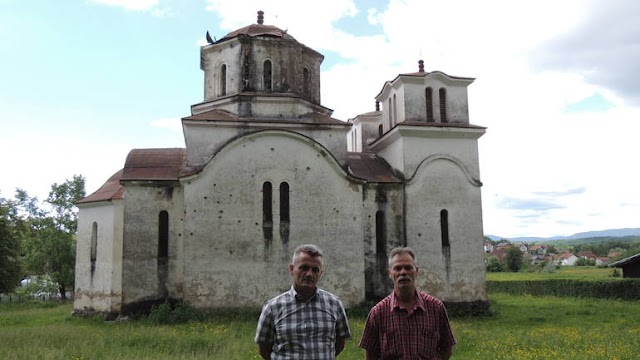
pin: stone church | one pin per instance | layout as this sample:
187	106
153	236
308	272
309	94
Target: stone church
266	168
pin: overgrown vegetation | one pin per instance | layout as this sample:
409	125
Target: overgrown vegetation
523	327
38	238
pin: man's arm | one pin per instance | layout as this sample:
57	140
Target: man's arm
445	354
339	345
370	355
265	351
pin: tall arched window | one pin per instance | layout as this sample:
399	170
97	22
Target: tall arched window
163	234
395	110
94	245
444	228
267	75
428	94
381	234
267	207
390	114
223	80
380	130
443	105
284	202
306	87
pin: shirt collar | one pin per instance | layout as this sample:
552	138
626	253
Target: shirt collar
419	302
294	294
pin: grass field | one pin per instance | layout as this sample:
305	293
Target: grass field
587	273
523	327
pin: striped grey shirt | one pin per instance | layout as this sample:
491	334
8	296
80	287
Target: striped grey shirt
302	330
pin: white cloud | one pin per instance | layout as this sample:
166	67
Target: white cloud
137	5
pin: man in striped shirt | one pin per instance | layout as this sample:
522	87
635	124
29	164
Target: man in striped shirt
408	324
304	323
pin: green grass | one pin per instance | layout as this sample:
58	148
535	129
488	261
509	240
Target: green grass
587	273
523	327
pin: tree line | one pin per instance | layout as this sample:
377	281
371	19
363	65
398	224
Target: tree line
37	238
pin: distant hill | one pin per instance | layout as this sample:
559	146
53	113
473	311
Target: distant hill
582	235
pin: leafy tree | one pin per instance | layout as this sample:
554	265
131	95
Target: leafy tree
585	262
49	245
494	265
9	246
513	259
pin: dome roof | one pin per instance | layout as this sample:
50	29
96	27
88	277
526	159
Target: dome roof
258	29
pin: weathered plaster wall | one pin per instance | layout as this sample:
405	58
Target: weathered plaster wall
99	289
454	274
205	139
233	261
147	277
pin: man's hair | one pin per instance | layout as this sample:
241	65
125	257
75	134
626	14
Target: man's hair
309	249
401	251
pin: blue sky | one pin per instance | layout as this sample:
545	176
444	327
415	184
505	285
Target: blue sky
82	82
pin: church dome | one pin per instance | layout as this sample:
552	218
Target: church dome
259	29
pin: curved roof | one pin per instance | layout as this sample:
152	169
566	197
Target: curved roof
258	29
110	190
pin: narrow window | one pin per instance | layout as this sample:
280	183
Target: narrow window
284	201
223	80
380	130
443	105
395	110
267	207
381	238
307	82
355	140
444	228
163	234
266	75
429	101
94	245
390	114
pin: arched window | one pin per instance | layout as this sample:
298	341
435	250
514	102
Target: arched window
163	234
443	105
380	130
284	202
395	110
94	245
267	205
306	86
444	228
428	94
223	80
266	75
390	114
381	234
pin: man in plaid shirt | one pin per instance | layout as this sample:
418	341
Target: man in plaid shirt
304	323
408	324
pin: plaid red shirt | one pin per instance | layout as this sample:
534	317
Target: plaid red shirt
397	334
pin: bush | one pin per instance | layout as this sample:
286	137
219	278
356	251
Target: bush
618	289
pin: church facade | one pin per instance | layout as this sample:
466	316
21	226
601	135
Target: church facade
266	168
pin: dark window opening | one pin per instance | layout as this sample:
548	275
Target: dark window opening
267	205
223	80
381	235
266	75
429	101
443	105
380	130
444	228
284	201
163	234
94	245
307	82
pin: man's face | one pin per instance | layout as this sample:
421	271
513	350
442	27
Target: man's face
403	271
306	272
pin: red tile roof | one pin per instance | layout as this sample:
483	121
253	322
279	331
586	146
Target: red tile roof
111	190
370	167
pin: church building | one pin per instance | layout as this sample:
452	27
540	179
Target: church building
266	168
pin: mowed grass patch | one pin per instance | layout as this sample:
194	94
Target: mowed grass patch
524	327
586	273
